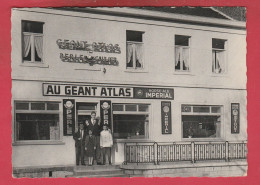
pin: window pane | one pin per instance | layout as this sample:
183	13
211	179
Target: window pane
33	27
218	61
216	109
87	106
130	55
130	126
185	59
185	108
118	107
22	106
135	36
37	126
204	109
131	107
201	126
177	58
52	106
28	56
37	106
143	108
138	55
182	40
218	43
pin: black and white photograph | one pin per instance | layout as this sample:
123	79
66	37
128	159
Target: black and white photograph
129	92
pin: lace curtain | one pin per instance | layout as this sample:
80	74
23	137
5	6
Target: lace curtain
218	64
26	45
38	45
134	54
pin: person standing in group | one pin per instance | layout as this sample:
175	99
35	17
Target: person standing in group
90	146
94	125
79	138
106	142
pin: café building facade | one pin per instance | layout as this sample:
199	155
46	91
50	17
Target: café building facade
167	84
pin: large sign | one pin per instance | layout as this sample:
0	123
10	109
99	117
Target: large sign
166	117
75	90
68	117
87	91
90	48
235	118
153	93
105	113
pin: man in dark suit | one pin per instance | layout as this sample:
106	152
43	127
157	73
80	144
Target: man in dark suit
94	125
79	138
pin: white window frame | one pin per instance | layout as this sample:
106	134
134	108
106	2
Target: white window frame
29	111
134	68
137	112
224	57
181	61
32	35
221	114
32	62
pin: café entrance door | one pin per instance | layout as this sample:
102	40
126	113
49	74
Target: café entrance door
83	112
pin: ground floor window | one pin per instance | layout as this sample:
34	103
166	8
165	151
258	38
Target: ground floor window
201	121
130	121
37	121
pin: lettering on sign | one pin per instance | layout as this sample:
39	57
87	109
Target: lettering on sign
90	48
166	117
105	113
154	93
50	89
68	116
235	118
86	91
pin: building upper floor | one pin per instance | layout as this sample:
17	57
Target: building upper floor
128	46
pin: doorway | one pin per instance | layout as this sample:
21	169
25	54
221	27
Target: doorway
83	112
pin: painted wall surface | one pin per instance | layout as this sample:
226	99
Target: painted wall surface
158	51
199	87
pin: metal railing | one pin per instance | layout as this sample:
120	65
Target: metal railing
184	151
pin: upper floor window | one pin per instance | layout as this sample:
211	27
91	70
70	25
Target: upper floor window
32	41
134	47
218	56
182	53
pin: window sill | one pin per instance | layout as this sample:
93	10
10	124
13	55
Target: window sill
136	71
18	143
183	73
34	64
219	75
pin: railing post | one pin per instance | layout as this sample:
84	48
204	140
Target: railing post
136	153
227	151
192	152
155	150
125	150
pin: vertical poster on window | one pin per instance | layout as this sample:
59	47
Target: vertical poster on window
68	116
235	118
105	113
166	117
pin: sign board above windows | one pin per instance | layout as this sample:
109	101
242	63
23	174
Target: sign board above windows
76	90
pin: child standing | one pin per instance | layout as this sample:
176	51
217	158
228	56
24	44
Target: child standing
90	147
